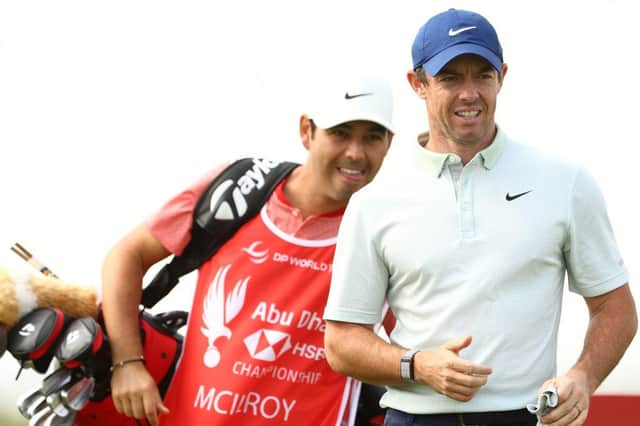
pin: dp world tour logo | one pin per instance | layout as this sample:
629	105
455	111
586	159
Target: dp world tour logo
267	345
255	255
229	207
219	311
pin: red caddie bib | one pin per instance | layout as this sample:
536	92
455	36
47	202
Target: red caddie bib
254	351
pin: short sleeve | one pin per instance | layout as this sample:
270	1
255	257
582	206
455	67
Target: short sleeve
171	225
360	277
594	263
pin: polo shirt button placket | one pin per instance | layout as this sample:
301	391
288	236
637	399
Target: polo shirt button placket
466	206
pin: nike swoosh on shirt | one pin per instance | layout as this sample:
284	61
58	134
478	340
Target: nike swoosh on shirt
453	32
510	197
348	96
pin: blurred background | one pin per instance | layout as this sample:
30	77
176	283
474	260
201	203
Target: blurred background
109	108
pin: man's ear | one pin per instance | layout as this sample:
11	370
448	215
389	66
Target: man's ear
418	86
390	138
306	131
501	76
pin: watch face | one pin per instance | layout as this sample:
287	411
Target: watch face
406	365
405	368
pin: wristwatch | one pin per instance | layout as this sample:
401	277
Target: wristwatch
406	365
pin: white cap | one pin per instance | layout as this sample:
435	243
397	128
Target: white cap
364	98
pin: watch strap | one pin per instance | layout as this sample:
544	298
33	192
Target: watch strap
406	365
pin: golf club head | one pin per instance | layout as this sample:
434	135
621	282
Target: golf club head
55	381
85	344
39	418
55	399
82	339
55	420
31	403
61	410
78	395
32	340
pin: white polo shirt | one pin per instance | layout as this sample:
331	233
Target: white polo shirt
486	259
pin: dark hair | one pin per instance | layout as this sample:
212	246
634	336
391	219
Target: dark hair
422	75
313	128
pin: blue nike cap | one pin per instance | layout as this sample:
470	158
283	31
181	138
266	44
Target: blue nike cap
453	33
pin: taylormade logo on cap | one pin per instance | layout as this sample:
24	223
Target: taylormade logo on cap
362	99
453	33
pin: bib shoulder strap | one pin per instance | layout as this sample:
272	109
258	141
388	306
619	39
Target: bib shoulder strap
233	198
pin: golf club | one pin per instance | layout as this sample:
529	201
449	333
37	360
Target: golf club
55	381
77	396
31	404
40	417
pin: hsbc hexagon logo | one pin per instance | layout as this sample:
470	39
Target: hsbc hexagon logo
267	345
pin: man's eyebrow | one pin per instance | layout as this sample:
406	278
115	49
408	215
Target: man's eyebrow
375	127
485	68
340	126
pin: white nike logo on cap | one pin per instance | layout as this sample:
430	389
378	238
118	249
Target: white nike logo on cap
453	32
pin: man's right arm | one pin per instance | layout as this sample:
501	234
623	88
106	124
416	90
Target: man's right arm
356	351
133	389
379	364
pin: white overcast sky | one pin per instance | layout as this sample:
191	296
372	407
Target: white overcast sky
108	108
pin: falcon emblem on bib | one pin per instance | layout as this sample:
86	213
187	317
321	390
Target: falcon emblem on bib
218	312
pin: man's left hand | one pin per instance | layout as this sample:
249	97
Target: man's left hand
573	400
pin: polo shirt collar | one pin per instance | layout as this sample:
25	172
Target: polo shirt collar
434	162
